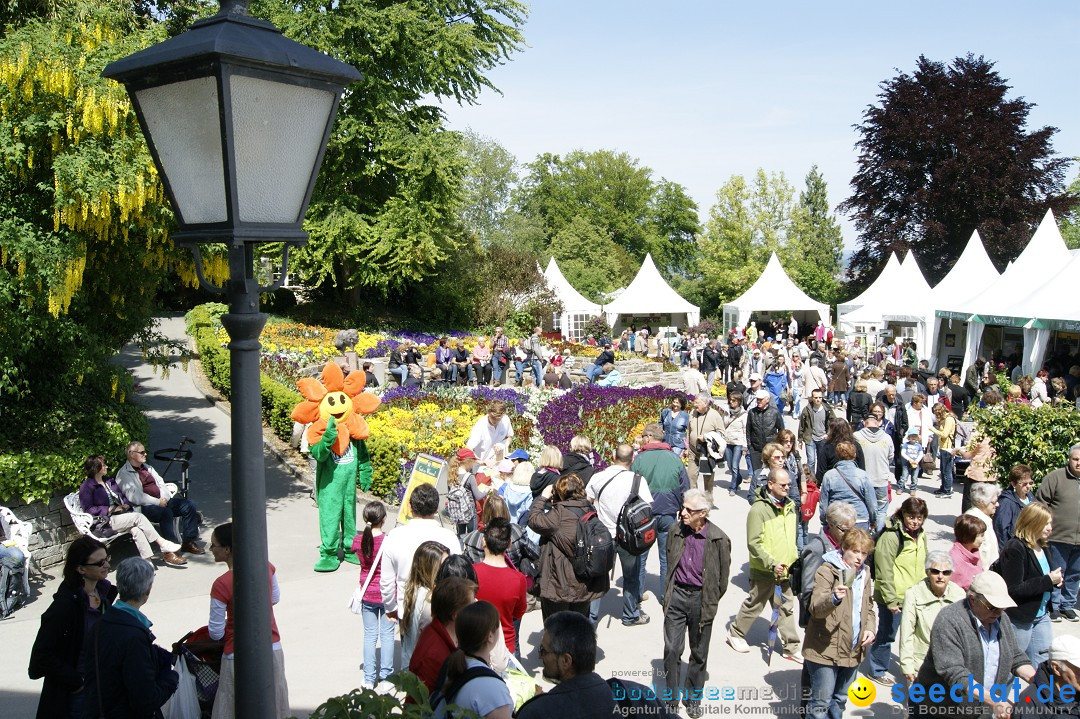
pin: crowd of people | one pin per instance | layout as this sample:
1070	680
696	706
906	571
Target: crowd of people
868	591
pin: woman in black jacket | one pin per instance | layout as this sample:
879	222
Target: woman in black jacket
859	402
1024	563
81	600
838	431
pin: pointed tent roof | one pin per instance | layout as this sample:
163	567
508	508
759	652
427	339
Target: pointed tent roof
774	291
971	272
915	288
880	289
883	301
573	301
649	293
997	303
1055	304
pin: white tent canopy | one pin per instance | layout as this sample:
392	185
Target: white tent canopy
649	294
971	272
575	306
773	292
996	304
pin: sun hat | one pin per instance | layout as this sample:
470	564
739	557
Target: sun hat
991	587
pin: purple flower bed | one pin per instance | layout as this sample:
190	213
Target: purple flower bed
382	348
512	397
604	414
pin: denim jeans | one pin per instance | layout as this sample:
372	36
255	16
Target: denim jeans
947	473
519	372
178	506
813	449
828	689
909	476
882	496
497	371
631	588
796	401
881	651
401	371
378	629
537	372
1067	556
1034	638
663	523
733	459
593	371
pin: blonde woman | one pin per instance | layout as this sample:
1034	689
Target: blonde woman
944	428
1028	570
416	608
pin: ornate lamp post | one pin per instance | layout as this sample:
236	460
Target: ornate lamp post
237	118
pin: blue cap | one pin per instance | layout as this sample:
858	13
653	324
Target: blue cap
518	454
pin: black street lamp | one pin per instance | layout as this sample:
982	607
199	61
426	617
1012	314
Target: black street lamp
237	118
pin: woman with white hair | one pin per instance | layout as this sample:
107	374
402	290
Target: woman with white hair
922	602
984	500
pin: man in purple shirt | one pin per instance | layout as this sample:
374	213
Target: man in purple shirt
698	561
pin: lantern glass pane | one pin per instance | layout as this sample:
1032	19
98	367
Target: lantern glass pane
278	129
185	128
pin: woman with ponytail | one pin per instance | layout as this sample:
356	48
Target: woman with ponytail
471	683
378	628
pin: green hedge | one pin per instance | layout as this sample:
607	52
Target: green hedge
277	399
1020	434
92	418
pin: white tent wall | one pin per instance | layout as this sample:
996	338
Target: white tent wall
575	306
649	294
1035	343
972	343
773	292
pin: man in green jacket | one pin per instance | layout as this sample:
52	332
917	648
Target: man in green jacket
770	537
699	560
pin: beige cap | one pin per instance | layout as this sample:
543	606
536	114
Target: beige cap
993	589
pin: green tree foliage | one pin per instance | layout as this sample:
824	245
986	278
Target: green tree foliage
590	259
617	197
945	152
490	178
385	214
83	244
812	253
746	224
1070	223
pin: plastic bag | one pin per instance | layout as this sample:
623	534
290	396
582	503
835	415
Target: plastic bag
184	703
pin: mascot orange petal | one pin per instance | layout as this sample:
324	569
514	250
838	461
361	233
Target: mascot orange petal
337	396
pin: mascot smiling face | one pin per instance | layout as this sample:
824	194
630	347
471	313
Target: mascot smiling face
337	396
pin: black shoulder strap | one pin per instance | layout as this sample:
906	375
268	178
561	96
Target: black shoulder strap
609	482
470	674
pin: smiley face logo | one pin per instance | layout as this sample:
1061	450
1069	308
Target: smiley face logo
862	692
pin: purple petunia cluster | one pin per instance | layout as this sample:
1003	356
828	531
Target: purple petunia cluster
561	418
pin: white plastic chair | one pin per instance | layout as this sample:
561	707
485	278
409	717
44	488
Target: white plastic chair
19	532
83	520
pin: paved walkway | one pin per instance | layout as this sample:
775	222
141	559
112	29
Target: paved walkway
323	640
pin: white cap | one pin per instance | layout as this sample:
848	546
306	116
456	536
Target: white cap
762	394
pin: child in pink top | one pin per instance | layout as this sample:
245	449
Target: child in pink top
377	626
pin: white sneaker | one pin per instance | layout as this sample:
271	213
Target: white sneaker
384	687
646	596
737	643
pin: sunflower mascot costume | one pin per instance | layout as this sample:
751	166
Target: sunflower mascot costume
336	437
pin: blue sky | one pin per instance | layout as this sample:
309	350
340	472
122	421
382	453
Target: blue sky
699	91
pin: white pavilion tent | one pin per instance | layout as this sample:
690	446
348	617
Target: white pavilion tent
774	292
998	304
576	309
650	300
971	272
899	295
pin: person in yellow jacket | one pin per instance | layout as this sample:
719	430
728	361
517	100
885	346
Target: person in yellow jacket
770	532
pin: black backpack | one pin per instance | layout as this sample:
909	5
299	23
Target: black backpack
452	691
635	527
12	588
594	550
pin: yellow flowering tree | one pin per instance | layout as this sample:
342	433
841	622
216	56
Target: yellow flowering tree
83	234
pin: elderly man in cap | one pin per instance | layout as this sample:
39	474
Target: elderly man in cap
1055	688
755	384
972	648
763	421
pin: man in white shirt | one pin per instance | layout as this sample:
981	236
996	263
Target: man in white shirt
608	490
693	381
813	377
491	429
400	545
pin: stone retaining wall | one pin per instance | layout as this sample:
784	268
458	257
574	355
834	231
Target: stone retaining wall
53	529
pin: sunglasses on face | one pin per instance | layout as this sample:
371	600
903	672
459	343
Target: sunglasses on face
102	564
940	572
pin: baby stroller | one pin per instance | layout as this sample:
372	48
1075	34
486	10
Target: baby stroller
203	657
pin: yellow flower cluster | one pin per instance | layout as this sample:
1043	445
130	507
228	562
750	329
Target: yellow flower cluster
61	295
425	428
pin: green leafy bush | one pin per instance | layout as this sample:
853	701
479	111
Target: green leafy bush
385	466
277	400
1020	434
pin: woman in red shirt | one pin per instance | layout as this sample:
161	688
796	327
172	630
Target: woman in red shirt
438	639
222	614
501	584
